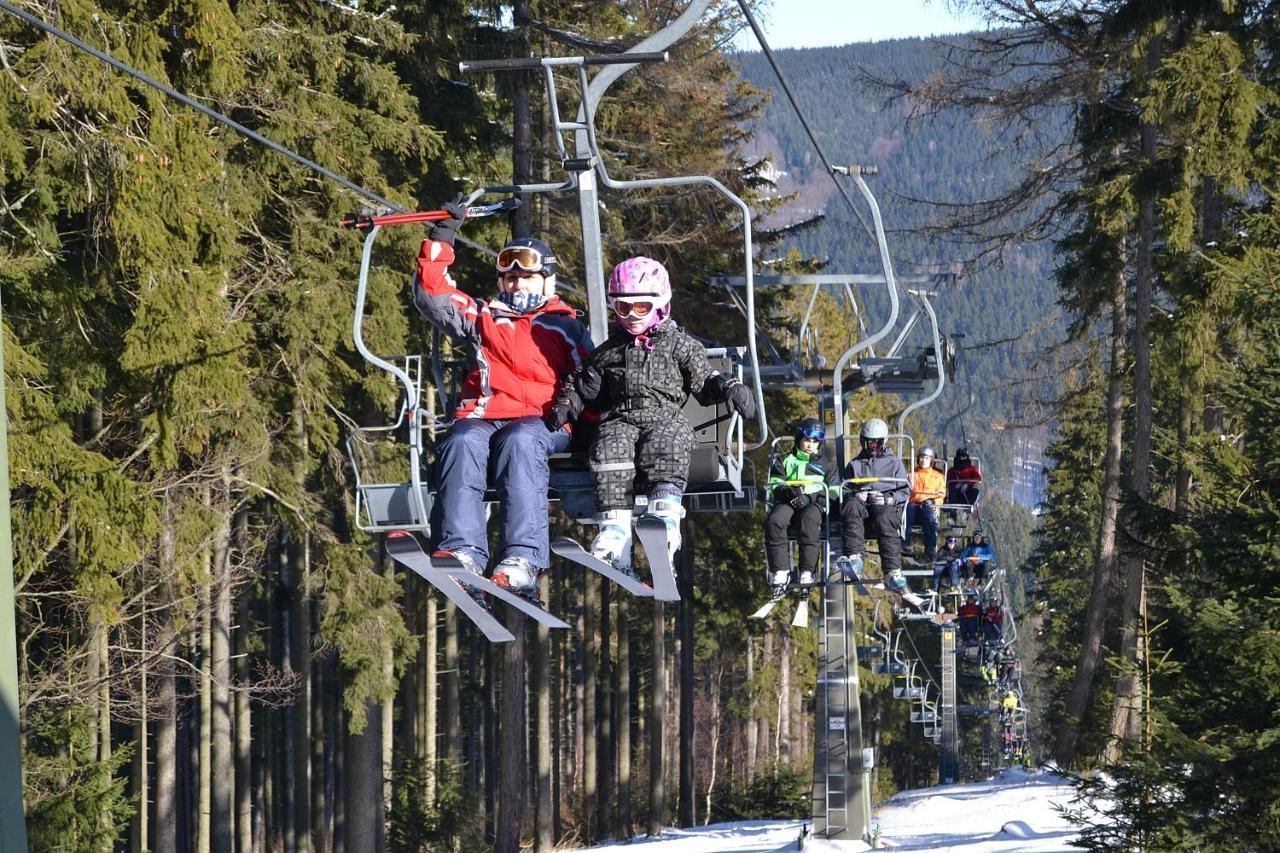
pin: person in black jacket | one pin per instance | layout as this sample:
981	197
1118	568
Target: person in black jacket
877	504
639	380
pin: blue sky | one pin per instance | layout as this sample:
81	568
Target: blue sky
818	23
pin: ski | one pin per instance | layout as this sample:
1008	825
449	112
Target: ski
404	548
407	550
652	533
767	607
801	618
571	550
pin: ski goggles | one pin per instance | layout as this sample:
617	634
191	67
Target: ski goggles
633	309
814	433
526	258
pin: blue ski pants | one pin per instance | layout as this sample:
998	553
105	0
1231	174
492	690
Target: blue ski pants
924	514
512	455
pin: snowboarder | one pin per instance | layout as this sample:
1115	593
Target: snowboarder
876	504
797	486
523	345
927	489
639	380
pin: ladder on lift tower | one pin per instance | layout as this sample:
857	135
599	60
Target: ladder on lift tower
839	776
949	772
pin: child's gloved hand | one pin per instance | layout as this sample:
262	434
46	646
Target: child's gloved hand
557	416
799	501
740	398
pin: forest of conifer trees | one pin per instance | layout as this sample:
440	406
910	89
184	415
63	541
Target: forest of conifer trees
211	655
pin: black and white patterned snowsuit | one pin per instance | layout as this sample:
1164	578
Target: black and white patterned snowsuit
644	437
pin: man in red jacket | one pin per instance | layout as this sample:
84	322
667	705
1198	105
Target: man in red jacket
522	345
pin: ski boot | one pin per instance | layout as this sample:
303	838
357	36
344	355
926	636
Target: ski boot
520	576
896	581
468	561
778	580
613	543
670	511
806	577
850	567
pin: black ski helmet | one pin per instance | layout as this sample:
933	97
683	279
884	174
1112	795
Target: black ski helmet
810	428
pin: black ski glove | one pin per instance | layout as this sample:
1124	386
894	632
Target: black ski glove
446	230
800	501
557	416
782	493
739	398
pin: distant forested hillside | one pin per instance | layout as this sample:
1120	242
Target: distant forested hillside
948	159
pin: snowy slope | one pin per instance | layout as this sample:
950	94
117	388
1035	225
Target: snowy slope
1015	811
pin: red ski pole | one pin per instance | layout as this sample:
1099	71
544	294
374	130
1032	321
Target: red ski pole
365	221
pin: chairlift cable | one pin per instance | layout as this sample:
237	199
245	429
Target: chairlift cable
196	105
804	122
217	116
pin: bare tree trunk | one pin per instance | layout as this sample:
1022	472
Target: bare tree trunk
362	779
513	745
243	712
752	728
766	657
139	837
543	745
205	746
783	734
166	751
624	717
688	806
715	741
452	708
1126	712
222	779
657	709
429	675
300	653
1105	554
589	710
604	720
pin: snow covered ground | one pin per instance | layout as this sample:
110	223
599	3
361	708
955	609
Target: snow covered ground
1015	811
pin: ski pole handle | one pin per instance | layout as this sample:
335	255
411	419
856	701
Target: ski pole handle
365	221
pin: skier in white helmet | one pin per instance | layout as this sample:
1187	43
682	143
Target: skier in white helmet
874	505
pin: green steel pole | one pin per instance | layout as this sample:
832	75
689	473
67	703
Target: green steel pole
13	825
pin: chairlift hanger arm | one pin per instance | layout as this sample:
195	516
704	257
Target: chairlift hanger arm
891	285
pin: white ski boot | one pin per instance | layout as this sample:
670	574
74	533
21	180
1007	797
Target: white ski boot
779	579
850	567
613	543
520	576
670	511
806	578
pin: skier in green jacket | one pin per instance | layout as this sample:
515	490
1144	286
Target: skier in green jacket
798	489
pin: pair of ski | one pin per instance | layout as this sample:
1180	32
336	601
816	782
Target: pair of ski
652	533
448	575
801	617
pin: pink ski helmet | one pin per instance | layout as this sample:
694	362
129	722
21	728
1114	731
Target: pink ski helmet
640	294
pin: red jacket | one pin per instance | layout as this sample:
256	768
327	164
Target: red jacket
965	475
969	611
994	615
518	360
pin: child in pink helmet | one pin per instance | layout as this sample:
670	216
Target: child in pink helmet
638	381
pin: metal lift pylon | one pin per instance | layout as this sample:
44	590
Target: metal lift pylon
949	770
840	794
